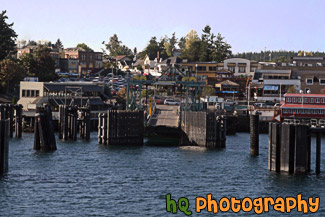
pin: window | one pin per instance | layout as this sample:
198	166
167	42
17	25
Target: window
91	57
309	81
83	57
212	68
322	81
323	100
317	100
32	93
305	100
306	111
298	111
285	111
23	93
289	99
302	111
314	111
27	93
242	69
201	68
36	93
294	99
311	100
320	111
231	69
300	100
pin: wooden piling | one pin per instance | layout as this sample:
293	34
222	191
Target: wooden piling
287	148
274	147
18	121
254	135
318	152
301	148
4	146
44	138
11	119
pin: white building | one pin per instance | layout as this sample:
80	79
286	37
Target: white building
240	66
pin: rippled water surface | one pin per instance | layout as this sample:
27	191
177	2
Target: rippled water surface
87	179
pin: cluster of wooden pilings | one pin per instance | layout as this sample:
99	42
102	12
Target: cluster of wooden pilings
204	129
121	127
15	121
73	119
44	138
290	148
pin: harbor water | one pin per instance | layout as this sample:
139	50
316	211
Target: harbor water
87	179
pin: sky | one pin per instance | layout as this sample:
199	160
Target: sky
250	25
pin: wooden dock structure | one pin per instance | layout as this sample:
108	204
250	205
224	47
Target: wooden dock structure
290	148
44	139
121	127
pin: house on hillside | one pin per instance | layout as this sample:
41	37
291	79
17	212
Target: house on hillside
123	62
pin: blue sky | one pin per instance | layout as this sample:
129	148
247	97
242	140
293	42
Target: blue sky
247	25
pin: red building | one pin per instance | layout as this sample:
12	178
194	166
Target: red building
299	105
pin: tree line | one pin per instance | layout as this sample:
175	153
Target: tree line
280	56
207	47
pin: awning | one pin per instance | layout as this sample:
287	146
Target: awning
271	87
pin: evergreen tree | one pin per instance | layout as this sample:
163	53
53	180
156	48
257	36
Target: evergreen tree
58	44
7	36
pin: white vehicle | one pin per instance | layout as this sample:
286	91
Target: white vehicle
171	102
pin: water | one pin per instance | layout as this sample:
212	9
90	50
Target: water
88	179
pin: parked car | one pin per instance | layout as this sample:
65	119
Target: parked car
171	102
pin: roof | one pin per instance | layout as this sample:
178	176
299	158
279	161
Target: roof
118	58
61	87
303	95
139	62
303	106
227	82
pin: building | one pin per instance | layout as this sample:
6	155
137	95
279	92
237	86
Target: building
205	70
240	66
304	106
311	81
36	94
270	85
123	62
227	87
308	61
88	61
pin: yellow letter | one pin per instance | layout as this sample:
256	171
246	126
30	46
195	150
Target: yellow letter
279	204
224	209
312	204
233	203
267	201
258	205
302	203
212	202
199	207
250	204
289	205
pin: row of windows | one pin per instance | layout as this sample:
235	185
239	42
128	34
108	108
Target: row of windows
30	93
306	100
310	81
303	111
